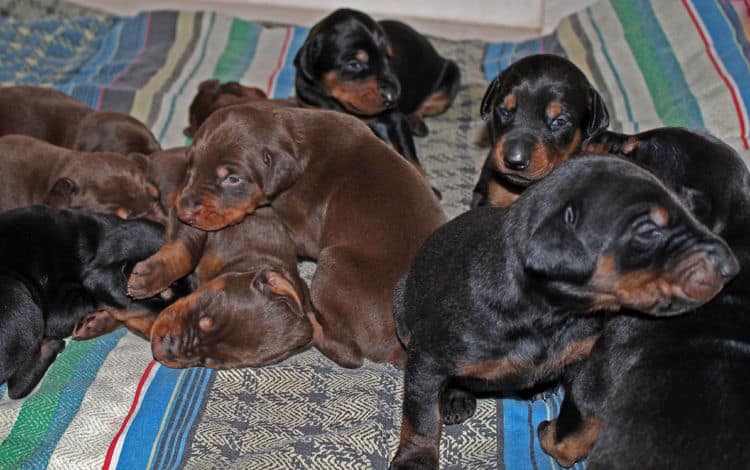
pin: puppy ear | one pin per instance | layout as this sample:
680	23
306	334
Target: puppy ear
598	114
61	193
308	55
276	285
485	109
554	251
277	172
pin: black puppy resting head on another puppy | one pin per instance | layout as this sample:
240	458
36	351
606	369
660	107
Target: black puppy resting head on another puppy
506	299
540	110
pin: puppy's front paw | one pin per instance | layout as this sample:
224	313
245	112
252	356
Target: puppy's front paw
95	324
458	406
148	278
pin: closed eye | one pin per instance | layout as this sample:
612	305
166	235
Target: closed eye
558	122
355	66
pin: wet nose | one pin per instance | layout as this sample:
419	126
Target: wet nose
517	155
387	96
725	260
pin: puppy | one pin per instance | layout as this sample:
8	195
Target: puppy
507	299
57	266
36	172
213	95
250	308
677	400
166	169
59	119
540	110
351	203
384	72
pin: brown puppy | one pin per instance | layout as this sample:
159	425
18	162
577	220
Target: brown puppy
213	95
350	202
166	169
35	172
249	310
59	119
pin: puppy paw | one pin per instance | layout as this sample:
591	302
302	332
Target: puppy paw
95	324
148	278
458	406
571	448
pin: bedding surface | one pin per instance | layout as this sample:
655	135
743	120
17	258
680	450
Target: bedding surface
105	404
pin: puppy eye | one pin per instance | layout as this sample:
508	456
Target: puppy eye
354	66
558	122
266	157
504	113
569	214
647	232
231	180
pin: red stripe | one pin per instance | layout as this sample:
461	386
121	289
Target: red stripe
133	406
731	89
280	62
127	68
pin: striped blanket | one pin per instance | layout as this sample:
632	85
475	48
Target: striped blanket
105	403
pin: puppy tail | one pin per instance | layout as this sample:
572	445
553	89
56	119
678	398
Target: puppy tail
399	310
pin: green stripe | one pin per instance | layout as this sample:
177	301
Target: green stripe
240	48
38	411
643	51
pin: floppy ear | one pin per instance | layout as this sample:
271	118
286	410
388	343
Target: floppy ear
308	55
61	193
276	172
554	251
598	114
276	285
489	96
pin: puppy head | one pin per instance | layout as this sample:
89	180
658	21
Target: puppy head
540	110
104	131
346	56
242	157
236	320
613	236
106	182
213	95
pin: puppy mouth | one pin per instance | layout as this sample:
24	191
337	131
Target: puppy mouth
373	111
518	180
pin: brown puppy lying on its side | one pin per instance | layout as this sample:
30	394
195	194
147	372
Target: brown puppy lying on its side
35	172
350	202
60	119
248	311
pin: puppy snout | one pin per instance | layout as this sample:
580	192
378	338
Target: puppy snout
727	263
187	209
388	97
165	347
518	151
705	272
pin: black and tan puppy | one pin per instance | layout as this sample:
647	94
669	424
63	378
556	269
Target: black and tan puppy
58	265
507	299
248	311
678	400
59	119
384	72
539	110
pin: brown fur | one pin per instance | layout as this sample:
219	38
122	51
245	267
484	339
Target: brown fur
574	447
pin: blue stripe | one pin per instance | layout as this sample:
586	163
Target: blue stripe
680	92
142	434
72	395
187	78
177	415
499	55
182	432
285	80
723	36
613	69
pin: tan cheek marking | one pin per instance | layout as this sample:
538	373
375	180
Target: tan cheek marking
510	102
553	109
660	216
638	289
500	196
364	95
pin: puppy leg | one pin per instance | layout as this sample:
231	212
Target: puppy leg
174	260
338	348
422	420
570	437
457	405
31	371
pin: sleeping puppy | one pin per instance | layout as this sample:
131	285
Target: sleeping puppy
57	265
678	400
213	95
385	72
248	311
540	110
36	172
59	119
507	299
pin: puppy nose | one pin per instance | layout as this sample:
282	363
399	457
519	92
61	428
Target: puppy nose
727	263
388	97
165	347
187	208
